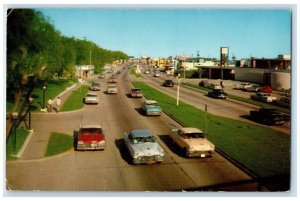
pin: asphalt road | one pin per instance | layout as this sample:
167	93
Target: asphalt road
111	169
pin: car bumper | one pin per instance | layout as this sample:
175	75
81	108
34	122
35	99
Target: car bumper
148	159
91	146
153	113
202	154
136	95
91	102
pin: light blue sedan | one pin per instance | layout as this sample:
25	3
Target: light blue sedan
150	107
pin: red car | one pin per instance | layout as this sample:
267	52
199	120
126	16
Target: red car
266	89
90	137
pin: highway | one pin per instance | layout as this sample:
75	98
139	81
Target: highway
111	169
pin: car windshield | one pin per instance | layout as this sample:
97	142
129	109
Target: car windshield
91	95
95	84
151	104
91	131
135	90
192	135
143	139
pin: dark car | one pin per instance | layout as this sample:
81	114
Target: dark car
268	116
168	83
203	83
217	93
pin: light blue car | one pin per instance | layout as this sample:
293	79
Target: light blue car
151	108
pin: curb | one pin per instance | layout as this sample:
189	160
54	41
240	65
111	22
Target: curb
20	152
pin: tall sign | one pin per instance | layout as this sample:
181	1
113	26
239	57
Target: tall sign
224	52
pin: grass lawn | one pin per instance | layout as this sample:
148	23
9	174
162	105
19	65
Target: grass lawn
246	100
21	137
58	143
262	150
54	87
75	100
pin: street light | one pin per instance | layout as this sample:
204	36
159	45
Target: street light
44	91
178	83
14	136
30	100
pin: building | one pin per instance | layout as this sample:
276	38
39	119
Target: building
84	71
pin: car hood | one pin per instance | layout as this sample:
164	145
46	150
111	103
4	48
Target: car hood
147	149
199	144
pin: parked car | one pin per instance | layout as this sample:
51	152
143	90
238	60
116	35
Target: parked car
253	88
214	86
242	86
264	97
192	142
136	93
268	116
156	74
283	102
112	89
150	107
90	137
91	98
266	89
95	86
143	147
168	83
203	83
218	93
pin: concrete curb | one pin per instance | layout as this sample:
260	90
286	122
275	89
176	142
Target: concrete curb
20	152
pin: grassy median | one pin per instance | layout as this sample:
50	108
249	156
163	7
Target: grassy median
262	150
75	100
21	135
58	143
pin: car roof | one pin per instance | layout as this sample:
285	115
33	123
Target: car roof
150	101
190	130
92	93
91	126
141	133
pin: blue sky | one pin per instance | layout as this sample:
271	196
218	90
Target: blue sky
171	32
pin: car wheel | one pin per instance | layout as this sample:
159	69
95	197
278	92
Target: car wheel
186	152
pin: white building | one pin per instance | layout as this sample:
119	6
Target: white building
84	71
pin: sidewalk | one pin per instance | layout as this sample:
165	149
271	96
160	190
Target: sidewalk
45	123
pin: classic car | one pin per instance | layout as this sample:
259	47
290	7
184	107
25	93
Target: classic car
150	107
136	93
112	89
168	83
214	86
91	98
242	86
112	80
143	147
217	93
283	102
264	97
95	86
192	142
203	83
268	116
253	88
266	89
89	137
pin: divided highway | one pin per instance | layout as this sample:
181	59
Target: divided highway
111	169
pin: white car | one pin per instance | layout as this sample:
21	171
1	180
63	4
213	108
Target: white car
91	98
192	142
112	89
264	97
143	147
242	86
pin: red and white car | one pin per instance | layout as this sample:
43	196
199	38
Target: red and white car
90	137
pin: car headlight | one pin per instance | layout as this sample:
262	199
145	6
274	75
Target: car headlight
80	142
